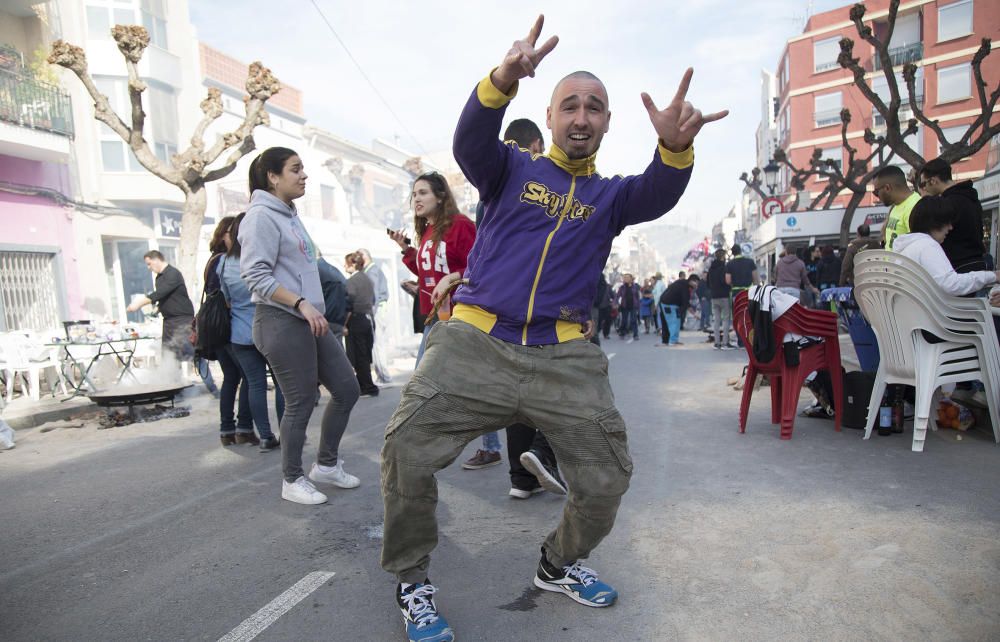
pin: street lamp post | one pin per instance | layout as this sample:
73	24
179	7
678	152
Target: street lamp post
771	171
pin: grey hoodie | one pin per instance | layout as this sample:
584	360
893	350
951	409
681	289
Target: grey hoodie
277	250
790	272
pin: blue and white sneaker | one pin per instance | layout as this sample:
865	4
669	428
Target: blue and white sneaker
423	624
578	582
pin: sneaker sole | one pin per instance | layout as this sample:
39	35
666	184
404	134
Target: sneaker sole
535	467
446	636
517	493
306	503
332	483
480	466
559	588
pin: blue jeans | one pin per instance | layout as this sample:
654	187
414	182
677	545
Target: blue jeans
423	342
491	442
254	367
232	377
630	323
202	366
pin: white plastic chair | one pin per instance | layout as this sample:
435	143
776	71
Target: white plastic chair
894	268
899	299
21	359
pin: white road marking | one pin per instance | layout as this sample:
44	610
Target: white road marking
611	355
269	614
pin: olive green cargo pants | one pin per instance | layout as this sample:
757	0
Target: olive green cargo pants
470	383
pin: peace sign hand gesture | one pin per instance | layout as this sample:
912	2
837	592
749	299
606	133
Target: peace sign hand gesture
680	122
522	58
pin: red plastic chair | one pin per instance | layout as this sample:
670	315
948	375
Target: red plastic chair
786	381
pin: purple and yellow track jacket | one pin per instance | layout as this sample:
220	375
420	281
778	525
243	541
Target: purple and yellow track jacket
548	226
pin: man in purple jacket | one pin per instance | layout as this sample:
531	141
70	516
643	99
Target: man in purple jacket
515	348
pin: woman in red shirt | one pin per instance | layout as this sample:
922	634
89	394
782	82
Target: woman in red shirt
446	237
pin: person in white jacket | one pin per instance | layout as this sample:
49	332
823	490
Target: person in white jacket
930	222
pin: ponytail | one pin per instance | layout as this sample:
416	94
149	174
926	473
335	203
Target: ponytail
271	160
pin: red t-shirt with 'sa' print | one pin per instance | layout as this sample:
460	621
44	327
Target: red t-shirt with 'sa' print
451	255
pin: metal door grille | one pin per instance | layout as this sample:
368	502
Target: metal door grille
28	291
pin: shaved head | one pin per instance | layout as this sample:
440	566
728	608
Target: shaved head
579	75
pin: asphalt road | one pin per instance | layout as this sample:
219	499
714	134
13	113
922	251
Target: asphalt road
155	532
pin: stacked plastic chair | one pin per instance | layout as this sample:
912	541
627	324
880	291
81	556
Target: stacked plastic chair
786	381
901	301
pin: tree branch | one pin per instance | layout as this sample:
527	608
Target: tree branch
261	85
132	42
73	58
890	112
247	146
754	183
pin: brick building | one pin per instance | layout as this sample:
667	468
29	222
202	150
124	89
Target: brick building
939	36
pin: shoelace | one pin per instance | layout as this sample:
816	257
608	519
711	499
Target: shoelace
304	484
419	604
587	576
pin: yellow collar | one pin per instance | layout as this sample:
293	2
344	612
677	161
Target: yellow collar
580	167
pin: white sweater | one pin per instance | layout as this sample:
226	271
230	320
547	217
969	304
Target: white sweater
923	249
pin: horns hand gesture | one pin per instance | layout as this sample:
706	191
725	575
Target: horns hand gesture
523	57
680	122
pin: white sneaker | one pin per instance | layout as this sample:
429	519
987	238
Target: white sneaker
301	491
335	475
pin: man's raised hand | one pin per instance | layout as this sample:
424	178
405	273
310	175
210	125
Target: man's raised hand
523	57
680	122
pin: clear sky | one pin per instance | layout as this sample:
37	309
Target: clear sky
426	57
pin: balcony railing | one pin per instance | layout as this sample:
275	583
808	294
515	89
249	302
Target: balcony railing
905	113
27	102
901	55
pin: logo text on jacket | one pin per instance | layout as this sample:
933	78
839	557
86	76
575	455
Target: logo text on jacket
553	203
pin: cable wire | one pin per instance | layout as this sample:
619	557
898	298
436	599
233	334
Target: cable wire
368	80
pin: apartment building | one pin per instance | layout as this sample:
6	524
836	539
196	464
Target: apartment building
39	283
78	211
938	36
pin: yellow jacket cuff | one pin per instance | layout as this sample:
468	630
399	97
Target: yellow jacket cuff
492	97
678	160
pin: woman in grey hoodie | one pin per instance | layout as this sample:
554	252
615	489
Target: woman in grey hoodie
278	264
790	275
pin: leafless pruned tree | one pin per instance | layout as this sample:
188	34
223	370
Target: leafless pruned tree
191	169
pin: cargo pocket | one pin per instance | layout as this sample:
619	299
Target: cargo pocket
416	394
613	427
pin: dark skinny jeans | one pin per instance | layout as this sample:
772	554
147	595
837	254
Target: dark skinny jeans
254	368
232	378
300	361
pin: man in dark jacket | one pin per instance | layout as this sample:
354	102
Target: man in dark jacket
964	244
334	296
863	242
828	269
722	311
628	307
171	297
677	294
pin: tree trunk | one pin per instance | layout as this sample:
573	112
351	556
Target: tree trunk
845	222
187	256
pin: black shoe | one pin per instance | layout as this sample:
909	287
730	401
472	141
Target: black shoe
267	445
547	475
370	393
